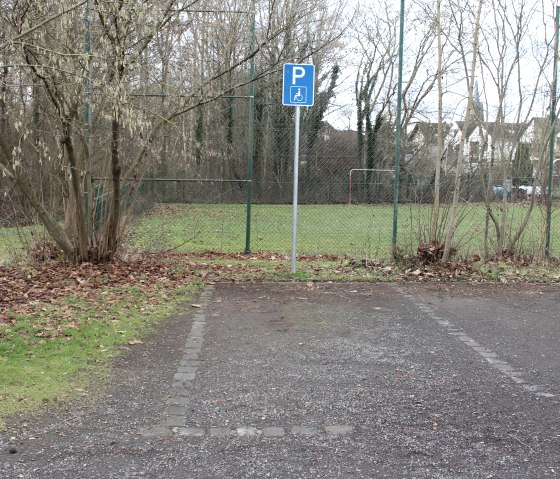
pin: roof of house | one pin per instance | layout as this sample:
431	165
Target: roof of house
498	131
428	130
472	127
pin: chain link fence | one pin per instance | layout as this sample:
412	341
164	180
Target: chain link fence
200	194
345	208
344	212
358	224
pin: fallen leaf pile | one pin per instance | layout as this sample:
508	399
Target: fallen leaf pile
28	289
21	289
264	256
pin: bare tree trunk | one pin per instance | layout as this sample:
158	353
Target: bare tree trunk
52	226
115	209
459	169
437	179
76	191
3	92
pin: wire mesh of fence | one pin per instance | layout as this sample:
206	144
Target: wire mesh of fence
171	145
200	215
341	213
205	189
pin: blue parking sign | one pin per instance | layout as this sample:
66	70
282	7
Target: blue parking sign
298	85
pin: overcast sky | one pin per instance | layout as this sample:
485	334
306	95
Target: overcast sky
525	82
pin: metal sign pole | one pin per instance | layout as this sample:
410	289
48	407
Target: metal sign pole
296	179
298	89
553	133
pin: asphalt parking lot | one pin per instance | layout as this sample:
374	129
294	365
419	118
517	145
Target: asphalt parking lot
321	380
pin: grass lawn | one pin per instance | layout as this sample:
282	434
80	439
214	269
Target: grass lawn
322	229
363	231
59	342
353	230
15	241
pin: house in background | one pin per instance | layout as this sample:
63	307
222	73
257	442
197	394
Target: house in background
535	142
497	146
421	148
517	148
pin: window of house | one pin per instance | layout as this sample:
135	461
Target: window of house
474	148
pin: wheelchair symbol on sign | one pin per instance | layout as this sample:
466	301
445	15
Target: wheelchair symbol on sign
299	94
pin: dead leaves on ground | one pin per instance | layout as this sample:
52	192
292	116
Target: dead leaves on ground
24	290
98	287
95	288
265	256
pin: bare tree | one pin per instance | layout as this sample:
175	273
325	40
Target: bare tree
375	85
504	54
470	76
439	153
129	125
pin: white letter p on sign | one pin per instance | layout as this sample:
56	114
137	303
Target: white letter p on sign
297	72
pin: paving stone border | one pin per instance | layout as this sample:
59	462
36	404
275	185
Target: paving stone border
174	419
265	432
489	356
174	414
271	432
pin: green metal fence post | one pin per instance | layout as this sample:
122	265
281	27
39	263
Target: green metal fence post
250	133
552	136
398	132
87	115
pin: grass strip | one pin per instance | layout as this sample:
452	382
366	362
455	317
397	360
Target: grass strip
54	352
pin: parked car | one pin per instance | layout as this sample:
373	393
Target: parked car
519	192
529	189
498	191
